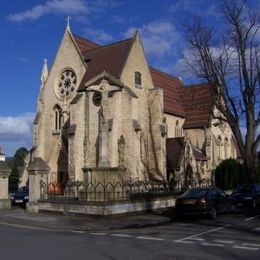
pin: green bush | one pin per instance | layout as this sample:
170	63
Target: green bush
229	174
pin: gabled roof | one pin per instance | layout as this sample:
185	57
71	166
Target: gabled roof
84	44
172	90
110	58
198	105
175	151
198	154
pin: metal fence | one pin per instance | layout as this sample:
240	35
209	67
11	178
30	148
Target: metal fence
102	191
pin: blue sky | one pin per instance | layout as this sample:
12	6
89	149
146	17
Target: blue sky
31	30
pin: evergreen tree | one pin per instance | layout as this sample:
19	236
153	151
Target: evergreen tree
17	165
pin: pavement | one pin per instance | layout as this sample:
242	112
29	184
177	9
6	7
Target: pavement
21	218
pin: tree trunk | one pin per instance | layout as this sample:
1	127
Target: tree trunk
251	167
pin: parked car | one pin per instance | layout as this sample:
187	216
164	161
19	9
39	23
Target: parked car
247	195
20	197
208	201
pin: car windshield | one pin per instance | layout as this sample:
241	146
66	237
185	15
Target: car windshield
244	188
195	193
23	189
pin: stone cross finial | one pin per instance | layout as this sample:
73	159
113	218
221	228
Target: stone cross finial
68	23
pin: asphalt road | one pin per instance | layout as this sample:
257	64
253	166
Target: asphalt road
232	236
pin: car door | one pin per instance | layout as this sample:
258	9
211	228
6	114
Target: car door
257	189
221	200
212	199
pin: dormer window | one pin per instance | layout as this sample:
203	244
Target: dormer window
138	79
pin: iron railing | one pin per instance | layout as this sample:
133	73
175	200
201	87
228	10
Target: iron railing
102	191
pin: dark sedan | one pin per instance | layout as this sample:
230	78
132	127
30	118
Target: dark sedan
247	195
208	201
20	197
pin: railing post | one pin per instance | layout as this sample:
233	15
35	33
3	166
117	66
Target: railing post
38	172
4	174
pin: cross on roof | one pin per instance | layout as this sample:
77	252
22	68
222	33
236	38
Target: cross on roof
68	22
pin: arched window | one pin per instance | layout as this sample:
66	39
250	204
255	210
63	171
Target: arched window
177	129
138	79
57	118
219	147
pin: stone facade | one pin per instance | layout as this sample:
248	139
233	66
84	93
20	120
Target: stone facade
103	113
110	125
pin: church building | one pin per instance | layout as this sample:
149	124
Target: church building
104	114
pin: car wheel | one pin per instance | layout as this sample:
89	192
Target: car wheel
213	213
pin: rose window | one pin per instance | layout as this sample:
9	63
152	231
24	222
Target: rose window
67	83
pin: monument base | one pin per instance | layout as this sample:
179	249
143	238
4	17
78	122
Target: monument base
103	174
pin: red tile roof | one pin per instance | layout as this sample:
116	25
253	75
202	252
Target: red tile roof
84	44
193	102
198	105
173	91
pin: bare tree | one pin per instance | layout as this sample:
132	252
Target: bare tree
231	66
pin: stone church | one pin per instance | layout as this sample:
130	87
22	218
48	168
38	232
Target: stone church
104	114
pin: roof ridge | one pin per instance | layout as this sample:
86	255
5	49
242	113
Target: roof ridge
86	40
196	148
166	74
196	85
108	45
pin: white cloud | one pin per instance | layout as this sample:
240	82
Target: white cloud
98	35
159	38
51	6
16	131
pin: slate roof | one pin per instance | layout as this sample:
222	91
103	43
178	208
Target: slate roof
110	58
192	102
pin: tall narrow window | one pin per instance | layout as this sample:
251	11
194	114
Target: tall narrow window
226	148
219	148
57	118
138	79
177	129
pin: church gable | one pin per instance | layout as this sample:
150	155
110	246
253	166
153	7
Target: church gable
67	61
109	58
136	73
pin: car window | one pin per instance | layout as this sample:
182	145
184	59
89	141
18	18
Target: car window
257	187
23	189
243	188
195	193
213	193
221	192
